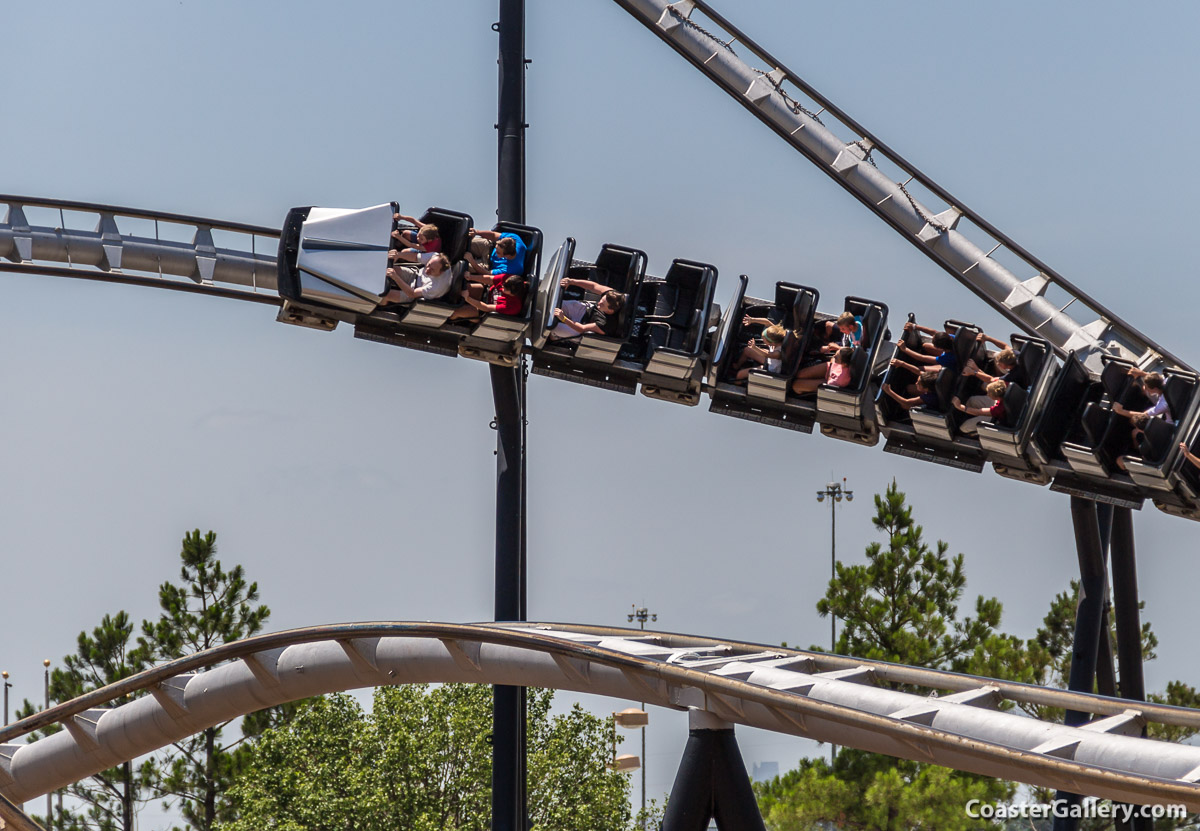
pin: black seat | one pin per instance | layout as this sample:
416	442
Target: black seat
1114	378
785	304
790	352
1095	423
532	237
858	370
1029	363
945	389
1014	406
452	227
1179	390
965	345
621	269
1156	441
870	324
457	283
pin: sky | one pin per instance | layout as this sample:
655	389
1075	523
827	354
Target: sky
355	481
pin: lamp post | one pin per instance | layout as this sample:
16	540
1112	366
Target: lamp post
641	616
836	492
627	718
7	685
49	796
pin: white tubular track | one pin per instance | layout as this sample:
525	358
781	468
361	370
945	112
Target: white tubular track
823	697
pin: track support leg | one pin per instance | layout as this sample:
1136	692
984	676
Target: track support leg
712	781
1089	619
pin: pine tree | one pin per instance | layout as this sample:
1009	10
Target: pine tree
209	607
109	800
900	606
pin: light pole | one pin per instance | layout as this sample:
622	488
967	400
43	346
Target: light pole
641	616
49	796
627	718
7	685
835	492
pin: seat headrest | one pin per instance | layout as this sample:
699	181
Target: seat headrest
1114	378
1014	403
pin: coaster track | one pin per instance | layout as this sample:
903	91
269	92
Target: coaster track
971	726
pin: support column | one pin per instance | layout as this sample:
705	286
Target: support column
1106	670
1089	617
509	803
1132	684
712	781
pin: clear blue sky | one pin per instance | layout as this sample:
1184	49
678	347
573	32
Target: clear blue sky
355	481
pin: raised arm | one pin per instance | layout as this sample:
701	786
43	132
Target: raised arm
916	356
910	326
1189	455
586	285
488	235
905	365
748	320
999	344
907	403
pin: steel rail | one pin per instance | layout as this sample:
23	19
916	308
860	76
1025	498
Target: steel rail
500	634
110	253
137	213
646	11
932	679
666	684
145	282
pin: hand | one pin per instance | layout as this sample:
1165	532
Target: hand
908	327
565	282
894	362
558	315
471	232
396	217
747	320
466	294
887	387
980	338
1183	446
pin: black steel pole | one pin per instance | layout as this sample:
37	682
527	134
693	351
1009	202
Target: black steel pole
1125	607
1106	670
1132	683
509	810
1089	616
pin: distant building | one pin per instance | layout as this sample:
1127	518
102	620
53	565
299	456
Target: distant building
764	771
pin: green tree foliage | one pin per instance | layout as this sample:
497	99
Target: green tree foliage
421	761
209	607
902	605
109	800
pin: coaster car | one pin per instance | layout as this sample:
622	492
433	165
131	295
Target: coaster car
660	338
